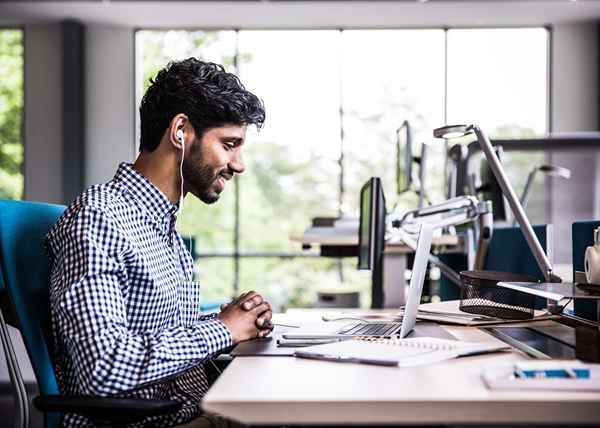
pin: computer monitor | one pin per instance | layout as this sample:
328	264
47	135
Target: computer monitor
404	157
422	175
457	171
371	234
490	189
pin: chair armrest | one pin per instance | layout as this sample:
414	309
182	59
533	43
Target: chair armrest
108	409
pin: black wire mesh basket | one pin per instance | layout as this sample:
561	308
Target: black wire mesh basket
481	295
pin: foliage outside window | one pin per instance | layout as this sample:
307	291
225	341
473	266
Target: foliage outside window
333	101
11	114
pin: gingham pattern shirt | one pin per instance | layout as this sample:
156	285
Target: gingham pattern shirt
125	312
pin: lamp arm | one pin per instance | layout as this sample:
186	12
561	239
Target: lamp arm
532	241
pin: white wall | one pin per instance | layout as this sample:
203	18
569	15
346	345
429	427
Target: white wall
109	100
575	92
575	77
43	113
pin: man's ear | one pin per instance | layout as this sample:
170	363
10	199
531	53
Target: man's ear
177	131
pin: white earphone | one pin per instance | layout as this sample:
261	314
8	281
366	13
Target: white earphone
181	139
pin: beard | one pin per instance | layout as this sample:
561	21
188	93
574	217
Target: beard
199	178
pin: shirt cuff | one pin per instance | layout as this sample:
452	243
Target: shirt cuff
207	317
216	335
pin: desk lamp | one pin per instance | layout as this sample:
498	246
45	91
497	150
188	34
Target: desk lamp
454	131
551	171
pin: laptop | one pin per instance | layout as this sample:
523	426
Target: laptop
380	329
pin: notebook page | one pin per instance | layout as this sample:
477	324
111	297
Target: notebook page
461	348
374	352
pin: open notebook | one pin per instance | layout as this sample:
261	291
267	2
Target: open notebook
396	352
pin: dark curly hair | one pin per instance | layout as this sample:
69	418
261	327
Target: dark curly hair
203	91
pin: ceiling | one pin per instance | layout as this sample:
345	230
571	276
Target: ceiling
302	14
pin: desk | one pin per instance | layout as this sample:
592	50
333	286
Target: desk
343	241
333	236
284	390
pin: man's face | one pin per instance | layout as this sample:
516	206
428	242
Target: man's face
213	160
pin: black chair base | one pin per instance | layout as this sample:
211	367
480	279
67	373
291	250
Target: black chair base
106	410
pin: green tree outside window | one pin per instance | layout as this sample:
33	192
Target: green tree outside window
11	114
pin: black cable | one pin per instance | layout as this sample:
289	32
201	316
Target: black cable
565	305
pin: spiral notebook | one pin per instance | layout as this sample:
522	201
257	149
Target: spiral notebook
397	352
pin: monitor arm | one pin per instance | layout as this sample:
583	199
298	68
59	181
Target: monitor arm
453	212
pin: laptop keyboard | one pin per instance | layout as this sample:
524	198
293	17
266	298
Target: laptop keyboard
372	329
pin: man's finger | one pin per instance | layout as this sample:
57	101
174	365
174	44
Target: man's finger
268	308
264	333
260	309
252	301
264	320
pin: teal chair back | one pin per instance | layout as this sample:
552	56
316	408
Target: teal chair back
582	233
508	252
25	271
205	305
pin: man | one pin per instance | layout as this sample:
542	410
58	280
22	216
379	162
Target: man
123	305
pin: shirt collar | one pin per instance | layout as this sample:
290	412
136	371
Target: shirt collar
154	202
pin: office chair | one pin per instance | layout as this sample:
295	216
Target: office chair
25	279
507	252
582	233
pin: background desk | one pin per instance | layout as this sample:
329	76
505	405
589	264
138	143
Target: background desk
343	242
285	390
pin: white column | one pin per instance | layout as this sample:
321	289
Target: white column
576	102
110	105
43	113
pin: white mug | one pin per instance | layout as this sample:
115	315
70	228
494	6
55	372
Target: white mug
592	260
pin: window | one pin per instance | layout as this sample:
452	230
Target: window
497	78
334	100
388	76
11	114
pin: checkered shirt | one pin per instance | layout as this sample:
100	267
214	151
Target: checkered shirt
125	312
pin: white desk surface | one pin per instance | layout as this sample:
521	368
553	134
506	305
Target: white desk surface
343	237
286	390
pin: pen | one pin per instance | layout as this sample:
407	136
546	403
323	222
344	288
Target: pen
270	324
297	343
345	359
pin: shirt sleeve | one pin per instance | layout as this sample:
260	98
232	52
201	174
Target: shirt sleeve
89	310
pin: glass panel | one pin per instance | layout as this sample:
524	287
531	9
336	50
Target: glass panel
518	165
497	78
292	172
295	282
11	114
215	276
154	49
381	78
390	76
211	225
